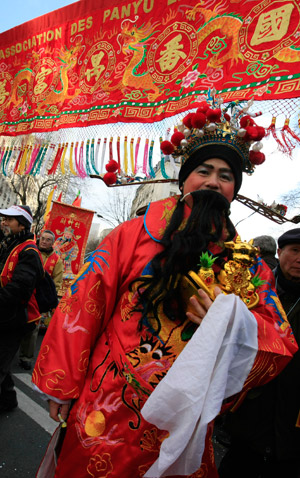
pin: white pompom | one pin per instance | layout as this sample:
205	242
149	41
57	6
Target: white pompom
186	132
241	132
257	146
199	133
211	127
183	143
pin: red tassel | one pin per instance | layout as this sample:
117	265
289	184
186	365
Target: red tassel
287	130
56	161
110	178
111	166
271	129
167	147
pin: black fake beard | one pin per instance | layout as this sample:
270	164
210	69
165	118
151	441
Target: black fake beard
208	222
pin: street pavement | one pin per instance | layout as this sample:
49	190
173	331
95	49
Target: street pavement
26	431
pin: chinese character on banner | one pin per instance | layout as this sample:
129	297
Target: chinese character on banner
71	226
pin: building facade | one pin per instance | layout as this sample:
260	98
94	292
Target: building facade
150	192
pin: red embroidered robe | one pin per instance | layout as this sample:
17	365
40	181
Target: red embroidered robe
94	352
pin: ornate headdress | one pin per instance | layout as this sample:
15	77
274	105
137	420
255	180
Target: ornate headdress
227	132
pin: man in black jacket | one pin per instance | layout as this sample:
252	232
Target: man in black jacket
265	429
20	268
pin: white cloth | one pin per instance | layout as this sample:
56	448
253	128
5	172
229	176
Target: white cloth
213	366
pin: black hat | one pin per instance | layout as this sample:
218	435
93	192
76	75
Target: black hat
289	237
211	132
22	213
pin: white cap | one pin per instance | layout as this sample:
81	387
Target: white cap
16	211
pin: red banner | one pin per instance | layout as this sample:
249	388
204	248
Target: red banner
71	226
104	62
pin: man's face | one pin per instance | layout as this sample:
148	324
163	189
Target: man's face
46	241
12	224
4	229
215	175
289	259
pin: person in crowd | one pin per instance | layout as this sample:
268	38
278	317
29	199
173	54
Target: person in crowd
265	429
52	261
54	266
4	230
267	249
124	321
21	269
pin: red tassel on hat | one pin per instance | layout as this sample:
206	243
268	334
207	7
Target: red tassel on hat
187	120
167	147
214	115
246	121
256	157
198	120
203	107
177	137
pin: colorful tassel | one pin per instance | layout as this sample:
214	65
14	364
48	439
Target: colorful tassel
71	167
151	170
62	162
131	155
45	158
145	160
286	130
103	155
80	162
48	203
119	154
97	156
57	158
33	158
125	156
137	147
162	163
272	129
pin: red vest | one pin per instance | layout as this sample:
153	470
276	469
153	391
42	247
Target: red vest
7	273
51	262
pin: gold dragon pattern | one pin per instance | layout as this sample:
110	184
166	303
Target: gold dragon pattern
68	59
216	19
134	42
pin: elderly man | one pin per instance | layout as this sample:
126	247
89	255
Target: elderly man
21	269
54	266
265	430
52	262
267	249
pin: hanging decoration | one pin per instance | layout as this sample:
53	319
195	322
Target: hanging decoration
96	63
71	225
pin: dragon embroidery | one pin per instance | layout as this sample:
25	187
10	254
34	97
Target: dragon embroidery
134	42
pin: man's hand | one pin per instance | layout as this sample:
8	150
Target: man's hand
56	409
201	308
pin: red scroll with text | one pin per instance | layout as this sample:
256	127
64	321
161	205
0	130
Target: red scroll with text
103	62
71	226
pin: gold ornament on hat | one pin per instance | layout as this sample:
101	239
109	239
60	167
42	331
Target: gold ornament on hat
212	124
